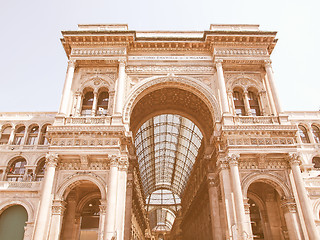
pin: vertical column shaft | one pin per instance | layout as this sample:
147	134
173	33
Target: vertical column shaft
246	103
262	108
58	209
120	87
227	197
238	197
214	209
94	104
290	216
111	201
121	198
274	91
67	88
46	199
222	87
303	198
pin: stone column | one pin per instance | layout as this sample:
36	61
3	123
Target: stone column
262	108
230	221
46	197
231	102
274	92
248	218
222	87
103	211
58	208
129	192
303	197
120	87
238	197
110	222
94	104
77	106
290	214
67	87
121	196
246	103
11	138
214	208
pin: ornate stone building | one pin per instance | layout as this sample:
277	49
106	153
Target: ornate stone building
162	135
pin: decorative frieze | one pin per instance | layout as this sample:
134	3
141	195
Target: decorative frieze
255	120
170	58
241	51
170	69
68	142
97	52
260	141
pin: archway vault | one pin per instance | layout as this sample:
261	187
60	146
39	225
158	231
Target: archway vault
172	94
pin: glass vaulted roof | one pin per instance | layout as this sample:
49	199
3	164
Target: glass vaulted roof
166	146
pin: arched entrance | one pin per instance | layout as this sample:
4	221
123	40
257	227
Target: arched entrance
266	214
82	215
172	127
12	223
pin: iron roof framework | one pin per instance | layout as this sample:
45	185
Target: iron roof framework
167	146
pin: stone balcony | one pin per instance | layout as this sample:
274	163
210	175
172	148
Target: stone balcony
23	186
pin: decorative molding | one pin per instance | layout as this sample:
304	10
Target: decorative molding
241	51
98	52
233	159
170	58
170	69
260	141
52	159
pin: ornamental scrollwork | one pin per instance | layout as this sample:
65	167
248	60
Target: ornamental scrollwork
294	159
52	159
233	159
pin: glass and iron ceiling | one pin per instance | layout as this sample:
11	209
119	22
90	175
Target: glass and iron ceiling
166	147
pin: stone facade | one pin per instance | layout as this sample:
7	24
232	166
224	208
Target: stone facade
80	173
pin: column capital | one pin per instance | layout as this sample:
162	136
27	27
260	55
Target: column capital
103	208
123	164
52	159
222	163
218	62
233	159
114	161
294	159
72	62
58	207
267	63
122	62
288	205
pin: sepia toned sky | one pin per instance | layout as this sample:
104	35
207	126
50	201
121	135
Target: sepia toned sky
33	63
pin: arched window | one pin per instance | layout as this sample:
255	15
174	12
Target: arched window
40	170
103	101
33	135
18	138
238	103
87	103
254	103
316	162
43	138
316	133
303	134
16	170
5	135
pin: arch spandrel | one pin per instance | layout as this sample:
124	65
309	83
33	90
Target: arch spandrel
200	94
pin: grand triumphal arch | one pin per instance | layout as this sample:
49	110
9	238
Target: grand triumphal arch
162	136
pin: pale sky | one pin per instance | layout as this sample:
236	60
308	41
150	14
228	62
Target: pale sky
33	63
